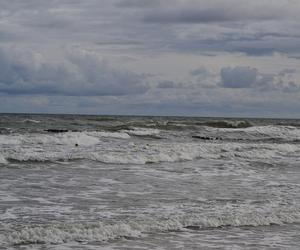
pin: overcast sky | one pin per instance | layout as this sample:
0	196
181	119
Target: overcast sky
151	57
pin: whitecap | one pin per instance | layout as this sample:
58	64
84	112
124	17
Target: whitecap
89	232
2	160
142	131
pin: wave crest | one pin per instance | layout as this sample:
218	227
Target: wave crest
131	153
227	124
88	232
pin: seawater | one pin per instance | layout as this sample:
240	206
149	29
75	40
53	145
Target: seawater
111	182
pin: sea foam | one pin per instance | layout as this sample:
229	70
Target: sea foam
89	232
130	153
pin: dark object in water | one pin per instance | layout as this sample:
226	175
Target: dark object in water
76	145
56	130
206	137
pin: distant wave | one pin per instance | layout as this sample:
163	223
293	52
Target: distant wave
89	232
227	124
270	133
30	121
84	138
144	133
190	125
122	147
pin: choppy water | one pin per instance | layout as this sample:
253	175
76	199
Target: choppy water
100	182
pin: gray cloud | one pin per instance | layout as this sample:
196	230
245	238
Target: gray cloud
199	72
137	3
285	72
167	39
252	27
200	16
78	75
219	11
247	77
167	85
253	42
238	77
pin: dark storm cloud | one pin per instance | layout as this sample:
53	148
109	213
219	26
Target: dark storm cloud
78	75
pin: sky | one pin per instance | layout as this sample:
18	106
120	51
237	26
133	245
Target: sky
232	58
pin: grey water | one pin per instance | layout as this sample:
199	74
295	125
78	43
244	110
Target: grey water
116	182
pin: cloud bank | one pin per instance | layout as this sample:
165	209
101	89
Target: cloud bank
79	74
195	57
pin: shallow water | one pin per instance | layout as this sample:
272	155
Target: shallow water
148	183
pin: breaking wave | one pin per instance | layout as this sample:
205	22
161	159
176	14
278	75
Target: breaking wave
142	131
131	153
67	138
2	160
120	148
269	133
30	121
227	124
91	232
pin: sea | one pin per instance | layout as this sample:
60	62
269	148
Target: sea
129	182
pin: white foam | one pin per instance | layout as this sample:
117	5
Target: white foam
119	135
31	121
68	138
151	153
287	133
15	139
71	138
2	160
142	131
259	151
118	152
56	234
88	232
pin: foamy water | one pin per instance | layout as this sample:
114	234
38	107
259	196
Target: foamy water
89	182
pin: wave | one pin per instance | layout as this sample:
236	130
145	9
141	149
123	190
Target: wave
3	160
145	153
30	121
184	125
85	138
132	154
142	131
270	133
98	231
117	135
226	124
